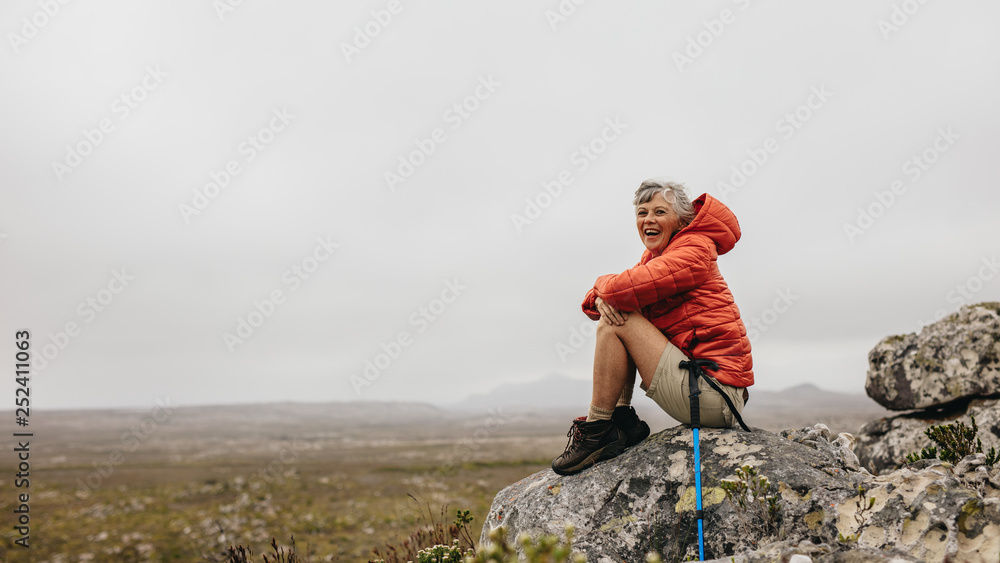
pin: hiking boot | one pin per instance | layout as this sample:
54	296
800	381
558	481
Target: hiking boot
635	430
589	442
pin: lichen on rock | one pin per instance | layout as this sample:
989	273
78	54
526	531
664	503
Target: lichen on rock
832	498
643	501
952	359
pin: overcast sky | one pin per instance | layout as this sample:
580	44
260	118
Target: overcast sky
229	204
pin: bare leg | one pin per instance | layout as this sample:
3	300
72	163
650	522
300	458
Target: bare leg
624	346
626	398
621	349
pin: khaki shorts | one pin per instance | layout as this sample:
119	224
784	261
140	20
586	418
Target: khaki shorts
670	389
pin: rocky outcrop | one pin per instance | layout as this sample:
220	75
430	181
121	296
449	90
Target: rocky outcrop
955	358
820	501
950	371
884	444
828	508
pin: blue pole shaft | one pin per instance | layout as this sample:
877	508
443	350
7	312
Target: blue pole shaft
697	491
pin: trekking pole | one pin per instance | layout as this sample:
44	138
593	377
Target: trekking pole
697	491
694	373
694	367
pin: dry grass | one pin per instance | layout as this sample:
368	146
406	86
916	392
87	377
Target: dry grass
186	495
209	478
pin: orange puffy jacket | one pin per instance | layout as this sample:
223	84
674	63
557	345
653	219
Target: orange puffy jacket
683	294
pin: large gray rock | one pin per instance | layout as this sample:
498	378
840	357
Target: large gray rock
957	357
884	444
643	500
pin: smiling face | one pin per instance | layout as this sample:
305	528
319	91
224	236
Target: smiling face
656	222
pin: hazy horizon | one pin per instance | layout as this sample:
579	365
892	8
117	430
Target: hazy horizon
222	203
453	405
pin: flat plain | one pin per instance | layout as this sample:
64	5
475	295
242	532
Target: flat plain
342	478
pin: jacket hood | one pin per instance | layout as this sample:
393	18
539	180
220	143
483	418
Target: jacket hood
714	220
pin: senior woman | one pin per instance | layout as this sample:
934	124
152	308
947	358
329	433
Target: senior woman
671	307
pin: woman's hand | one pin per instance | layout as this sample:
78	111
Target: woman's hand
609	314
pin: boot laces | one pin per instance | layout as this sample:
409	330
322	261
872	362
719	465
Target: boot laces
574	435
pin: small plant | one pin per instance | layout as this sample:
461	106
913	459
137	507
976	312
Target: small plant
432	533
462	520
865	505
954	442
928	452
756	507
544	549
443	554
451	553
240	554
993	457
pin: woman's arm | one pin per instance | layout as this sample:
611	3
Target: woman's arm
677	270
597	309
590	305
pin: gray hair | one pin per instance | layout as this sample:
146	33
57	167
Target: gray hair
673	192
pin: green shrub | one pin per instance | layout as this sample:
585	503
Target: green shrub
954	442
431	535
928	452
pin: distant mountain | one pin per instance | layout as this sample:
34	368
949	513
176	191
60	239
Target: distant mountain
354	414
554	391
557	390
549	402
808	395
805	405
559	396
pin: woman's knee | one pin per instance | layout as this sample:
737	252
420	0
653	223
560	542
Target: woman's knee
606	329
633	320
